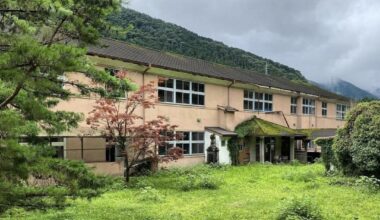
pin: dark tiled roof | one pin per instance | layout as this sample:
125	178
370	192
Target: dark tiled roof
131	53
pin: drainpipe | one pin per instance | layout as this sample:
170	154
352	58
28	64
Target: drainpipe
228	90
143	83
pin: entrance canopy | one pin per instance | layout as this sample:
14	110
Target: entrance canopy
260	127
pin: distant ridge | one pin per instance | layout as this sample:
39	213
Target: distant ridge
157	34
347	89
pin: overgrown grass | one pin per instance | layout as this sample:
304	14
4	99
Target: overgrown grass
246	192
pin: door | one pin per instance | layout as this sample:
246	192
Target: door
269	144
285	149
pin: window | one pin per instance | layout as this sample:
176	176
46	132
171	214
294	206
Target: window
258	101
181	92
324	109
191	143
110	153
308	106
341	111
114	92
293	105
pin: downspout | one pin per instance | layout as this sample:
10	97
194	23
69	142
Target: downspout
228	92
143	83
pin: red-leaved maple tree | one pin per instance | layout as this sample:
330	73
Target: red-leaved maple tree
122	123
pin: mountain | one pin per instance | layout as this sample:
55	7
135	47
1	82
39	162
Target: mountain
377	92
345	88
157	34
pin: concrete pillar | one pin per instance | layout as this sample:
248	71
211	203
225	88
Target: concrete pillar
262	152
292	148
252	149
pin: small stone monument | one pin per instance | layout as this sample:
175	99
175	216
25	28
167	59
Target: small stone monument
212	151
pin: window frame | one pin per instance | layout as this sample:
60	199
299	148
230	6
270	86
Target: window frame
341	114
190	91
190	141
253	100
293	105
324	109
310	106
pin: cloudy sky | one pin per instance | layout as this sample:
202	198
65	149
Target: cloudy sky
324	39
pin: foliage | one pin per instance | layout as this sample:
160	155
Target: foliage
150	194
237	198
136	138
308	176
33	181
198	181
40	41
157	34
233	149
357	144
371	184
299	209
327	152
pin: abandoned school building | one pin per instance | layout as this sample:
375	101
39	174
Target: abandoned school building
275	119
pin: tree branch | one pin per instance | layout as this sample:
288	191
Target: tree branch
14	94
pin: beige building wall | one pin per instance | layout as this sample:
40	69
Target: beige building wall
196	118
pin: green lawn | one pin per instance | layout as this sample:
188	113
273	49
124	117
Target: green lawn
245	192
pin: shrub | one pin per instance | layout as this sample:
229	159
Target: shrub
357	144
370	184
201	181
150	194
300	209
327	152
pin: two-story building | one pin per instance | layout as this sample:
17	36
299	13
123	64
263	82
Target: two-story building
273	117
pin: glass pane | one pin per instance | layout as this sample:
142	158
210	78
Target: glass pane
179	84
201	87
186	98
186	85
169	83
259	96
258	106
245	94
161	95
186	148
201	100
169	96
195	87
178	97
185	136
246	104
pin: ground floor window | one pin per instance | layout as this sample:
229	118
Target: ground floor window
192	142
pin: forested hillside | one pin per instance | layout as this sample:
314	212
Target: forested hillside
160	35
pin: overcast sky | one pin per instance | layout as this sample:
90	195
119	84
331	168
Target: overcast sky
324	39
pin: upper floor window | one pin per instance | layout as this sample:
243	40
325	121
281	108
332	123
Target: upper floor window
308	106
341	111
181	92
258	101
324	109
293	105
191	143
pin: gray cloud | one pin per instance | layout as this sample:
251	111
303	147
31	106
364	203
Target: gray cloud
324	39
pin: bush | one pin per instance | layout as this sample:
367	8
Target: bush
370	184
201	181
300	209
30	180
150	194
357	144
327	152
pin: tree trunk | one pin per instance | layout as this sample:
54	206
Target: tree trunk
126	168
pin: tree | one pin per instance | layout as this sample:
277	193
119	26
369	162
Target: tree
357	144
40	40
137	139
